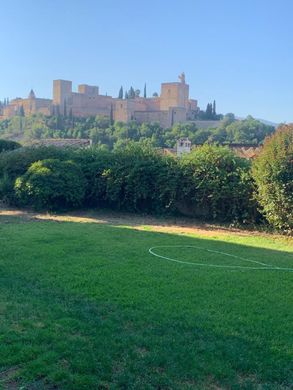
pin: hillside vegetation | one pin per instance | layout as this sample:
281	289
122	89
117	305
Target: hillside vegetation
111	135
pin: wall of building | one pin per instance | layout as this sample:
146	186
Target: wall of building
174	95
173	105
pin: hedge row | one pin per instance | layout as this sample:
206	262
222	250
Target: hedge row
211	183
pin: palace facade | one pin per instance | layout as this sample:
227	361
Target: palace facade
173	105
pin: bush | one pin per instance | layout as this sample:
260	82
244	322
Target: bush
93	163
140	179
216	185
273	174
51	184
15	163
8	145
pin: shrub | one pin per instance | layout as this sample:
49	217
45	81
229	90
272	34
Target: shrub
216	184
93	162
273	174
140	179
51	184
8	145
15	163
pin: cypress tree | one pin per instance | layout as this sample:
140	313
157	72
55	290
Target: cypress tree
65	108
21	111
131	93
144	91
214	108
120	95
111	115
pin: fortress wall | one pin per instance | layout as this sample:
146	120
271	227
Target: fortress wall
89	90
83	105
178	115
161	117
152	104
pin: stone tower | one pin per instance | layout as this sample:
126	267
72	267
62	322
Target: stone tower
62	89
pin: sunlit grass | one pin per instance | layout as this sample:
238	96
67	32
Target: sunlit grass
85	306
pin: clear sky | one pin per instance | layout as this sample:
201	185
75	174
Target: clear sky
239	52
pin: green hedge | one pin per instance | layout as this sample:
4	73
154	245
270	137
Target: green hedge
273	174
211	183
51	184
217	185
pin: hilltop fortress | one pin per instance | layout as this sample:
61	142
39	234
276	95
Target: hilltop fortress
172	106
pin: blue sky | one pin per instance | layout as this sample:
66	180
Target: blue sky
239	52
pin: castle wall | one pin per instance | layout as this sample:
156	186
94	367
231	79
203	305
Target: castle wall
30	106
173	105
61	90
89	90
161	117
84	105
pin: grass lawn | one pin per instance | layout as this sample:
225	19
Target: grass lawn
86	306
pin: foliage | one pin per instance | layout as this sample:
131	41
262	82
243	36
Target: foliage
51	184
6	145
141	180
217	185
273	173
15	163
103	131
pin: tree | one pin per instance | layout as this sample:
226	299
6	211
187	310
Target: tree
273	174
21	111
65	108
131	93
214	108
144	91
126	95
120	95
6	145
209	111
137	92
155	94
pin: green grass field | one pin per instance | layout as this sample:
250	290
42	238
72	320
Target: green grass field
86	306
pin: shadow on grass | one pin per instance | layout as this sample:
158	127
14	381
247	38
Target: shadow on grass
117	218
86	305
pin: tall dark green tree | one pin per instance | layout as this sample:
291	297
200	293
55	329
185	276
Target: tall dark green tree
120	95
144	91
111	115
209	111
214	108
21	111
131	93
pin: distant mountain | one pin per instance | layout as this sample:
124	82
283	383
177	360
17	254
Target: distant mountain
268	122
262	121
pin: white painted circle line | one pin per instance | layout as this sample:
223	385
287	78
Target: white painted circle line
265	266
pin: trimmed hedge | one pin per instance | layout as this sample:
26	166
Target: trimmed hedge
51	184
211	183
273	174
217	185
